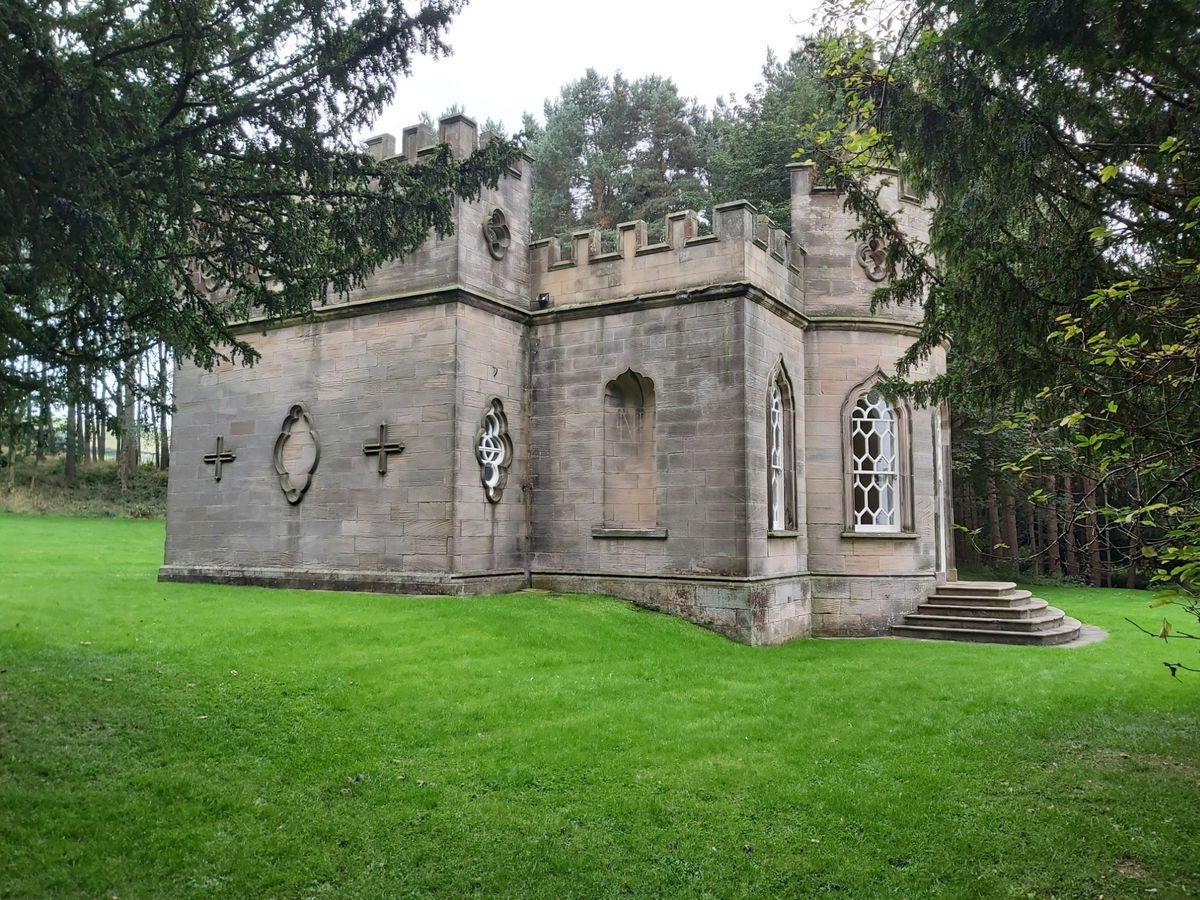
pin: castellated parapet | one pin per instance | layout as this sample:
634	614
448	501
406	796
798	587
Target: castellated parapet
743	247
689	424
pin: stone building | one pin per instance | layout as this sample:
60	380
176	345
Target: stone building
689	424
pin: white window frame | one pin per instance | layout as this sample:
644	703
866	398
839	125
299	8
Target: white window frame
872	416
781	454
777	499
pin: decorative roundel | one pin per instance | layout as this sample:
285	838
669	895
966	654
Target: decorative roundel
870	255
496	233
297	452
209	280
493	450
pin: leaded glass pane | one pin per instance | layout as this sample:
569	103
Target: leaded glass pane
874	464
778	515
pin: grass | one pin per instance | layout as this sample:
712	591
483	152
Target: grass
162	740
43	489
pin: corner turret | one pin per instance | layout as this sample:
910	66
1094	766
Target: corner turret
488	250
842	273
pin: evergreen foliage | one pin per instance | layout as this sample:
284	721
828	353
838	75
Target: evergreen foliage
1061	143
151	152
752	141
613	150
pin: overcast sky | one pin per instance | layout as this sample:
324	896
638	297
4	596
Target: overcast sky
510	55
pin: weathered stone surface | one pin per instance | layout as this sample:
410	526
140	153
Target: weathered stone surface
658	494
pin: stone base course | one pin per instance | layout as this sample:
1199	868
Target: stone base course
753	611
411	583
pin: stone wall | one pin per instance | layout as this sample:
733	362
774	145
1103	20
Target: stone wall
864	582
634	384
461	258
398	366
742	249
692	354
492	362
836	283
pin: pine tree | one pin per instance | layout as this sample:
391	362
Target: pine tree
615	150
753	140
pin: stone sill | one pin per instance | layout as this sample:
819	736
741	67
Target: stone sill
651	533
783	533
882	535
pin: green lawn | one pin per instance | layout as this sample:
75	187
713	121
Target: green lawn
164	740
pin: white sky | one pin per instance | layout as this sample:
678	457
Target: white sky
510	55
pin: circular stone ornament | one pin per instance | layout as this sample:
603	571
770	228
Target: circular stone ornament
497	235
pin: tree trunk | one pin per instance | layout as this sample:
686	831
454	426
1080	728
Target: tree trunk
1050	523
965	543
102	418
1069	548
85	447
14	435
80	446
129	451
1031	530
1010	531
70	460
44	430
164	387
1135	552
1091	533
993	514
157	443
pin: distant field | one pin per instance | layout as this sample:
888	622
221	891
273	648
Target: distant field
168	740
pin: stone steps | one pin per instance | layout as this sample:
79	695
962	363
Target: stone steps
977	597
1028	609
988	611
1039	623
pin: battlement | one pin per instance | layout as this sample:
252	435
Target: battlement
816	271
458	131
744	247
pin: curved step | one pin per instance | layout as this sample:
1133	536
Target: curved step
1062	634
962	598
944	607
976	587
1048	620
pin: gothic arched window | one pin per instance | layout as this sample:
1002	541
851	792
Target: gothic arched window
875	461
781	454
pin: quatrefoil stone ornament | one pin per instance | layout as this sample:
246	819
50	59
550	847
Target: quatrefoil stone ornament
493	450
870	255
496	234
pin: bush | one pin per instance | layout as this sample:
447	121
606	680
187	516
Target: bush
42	488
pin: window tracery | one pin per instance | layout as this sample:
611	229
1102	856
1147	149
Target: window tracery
874	464
493	451
781	472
